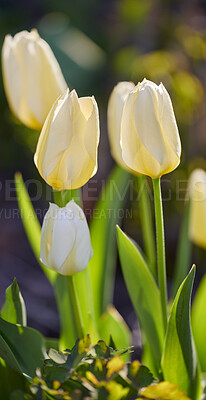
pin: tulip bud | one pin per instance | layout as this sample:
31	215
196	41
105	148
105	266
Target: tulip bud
197	219
66	154
149	135
114	114
65	239
32	77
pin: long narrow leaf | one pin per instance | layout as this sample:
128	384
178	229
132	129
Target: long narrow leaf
111	324
103	236
143	292
31	223
67	335
14	309
183	252
179	362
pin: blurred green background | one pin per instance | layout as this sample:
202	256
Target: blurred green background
97	44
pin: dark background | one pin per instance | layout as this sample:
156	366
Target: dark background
97	44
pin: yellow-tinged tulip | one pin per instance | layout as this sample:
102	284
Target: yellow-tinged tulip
197	194
65	239
114	115
32	77
149	135
66	154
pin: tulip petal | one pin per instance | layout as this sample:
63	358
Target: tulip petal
168	122
55	137
197	221
46	234
147	125
134	153
63	237
41	63
81	252
149	136
32	77
91	132
114	115
12	75
66	154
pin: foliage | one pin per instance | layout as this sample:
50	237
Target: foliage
96	372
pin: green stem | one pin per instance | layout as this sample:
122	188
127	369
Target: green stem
61	198
76	312
160	248
58	198
74	194
146	221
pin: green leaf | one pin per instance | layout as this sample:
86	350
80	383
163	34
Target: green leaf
31	223
22	348
102	350
14	309
103	237
67	335
199	322
139	375
147	223
7	355
179	363
111	324
83	286
183	252
163	391
10	380
143	292
18	394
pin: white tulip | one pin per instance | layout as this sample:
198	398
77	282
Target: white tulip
197	195
149	135
114	115
32	77
66	154
65	239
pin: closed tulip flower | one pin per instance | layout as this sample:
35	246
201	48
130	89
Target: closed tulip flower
114	115
65	239
149	135
66	154
32	77
197	195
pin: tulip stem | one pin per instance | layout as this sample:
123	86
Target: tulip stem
146	221
58	198
160	248
76	311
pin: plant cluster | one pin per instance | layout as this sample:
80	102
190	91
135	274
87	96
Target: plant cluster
79	261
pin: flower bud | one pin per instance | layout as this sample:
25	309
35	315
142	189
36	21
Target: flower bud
66	154
149	135
32	77
65	239
197	219
114	115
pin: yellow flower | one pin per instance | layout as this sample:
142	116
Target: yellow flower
149	135
197	194
114	115
32	77
66	154
65	239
